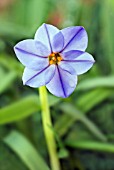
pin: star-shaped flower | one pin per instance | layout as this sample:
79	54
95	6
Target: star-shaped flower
54	58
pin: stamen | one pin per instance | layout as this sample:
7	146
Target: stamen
54	58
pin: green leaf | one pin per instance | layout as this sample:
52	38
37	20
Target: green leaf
53	100
24	149
96	82
37	10
14	66
10	29
63	124
78	115
15	23
19	109
63	153
85	102
7	80
107	16
91	99
91	145
23	108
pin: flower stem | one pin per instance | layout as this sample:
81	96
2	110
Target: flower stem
47	124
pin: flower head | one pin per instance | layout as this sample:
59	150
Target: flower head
54	58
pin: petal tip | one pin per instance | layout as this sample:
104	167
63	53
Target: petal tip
94	61
43	24
24	83
15	47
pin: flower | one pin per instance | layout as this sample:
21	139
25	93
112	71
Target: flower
54	58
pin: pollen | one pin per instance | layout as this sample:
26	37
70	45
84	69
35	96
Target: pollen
54	58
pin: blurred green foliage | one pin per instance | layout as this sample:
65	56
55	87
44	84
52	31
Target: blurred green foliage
83	123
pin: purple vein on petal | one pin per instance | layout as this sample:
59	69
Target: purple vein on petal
48	38
36	74
78	61
26	52
61	81
72	38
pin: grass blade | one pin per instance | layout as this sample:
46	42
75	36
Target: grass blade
24	149
96	82
23	108
84	103
78	115
91	145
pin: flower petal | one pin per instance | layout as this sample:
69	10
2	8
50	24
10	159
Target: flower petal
45	34
27	53
42	50
75	38
62	84
71	55
67	67
81	63
36	79
58	42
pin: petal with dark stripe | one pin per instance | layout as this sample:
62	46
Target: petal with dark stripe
62	84
58	42
36	79
75	38
80	61
45	34
31	55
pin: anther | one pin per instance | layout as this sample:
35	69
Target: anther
54	58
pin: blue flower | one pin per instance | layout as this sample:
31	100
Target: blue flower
54	58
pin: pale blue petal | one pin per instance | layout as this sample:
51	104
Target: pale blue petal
81	63
71	55
58	42
36	79
30	56
67	67
75	38
45	34
42	49
62	84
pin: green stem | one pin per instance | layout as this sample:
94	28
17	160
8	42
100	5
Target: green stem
47	124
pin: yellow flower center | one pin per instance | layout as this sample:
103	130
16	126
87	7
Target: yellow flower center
54	58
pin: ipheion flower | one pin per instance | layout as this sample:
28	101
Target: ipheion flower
54	58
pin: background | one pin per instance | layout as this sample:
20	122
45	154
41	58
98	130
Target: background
84	122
